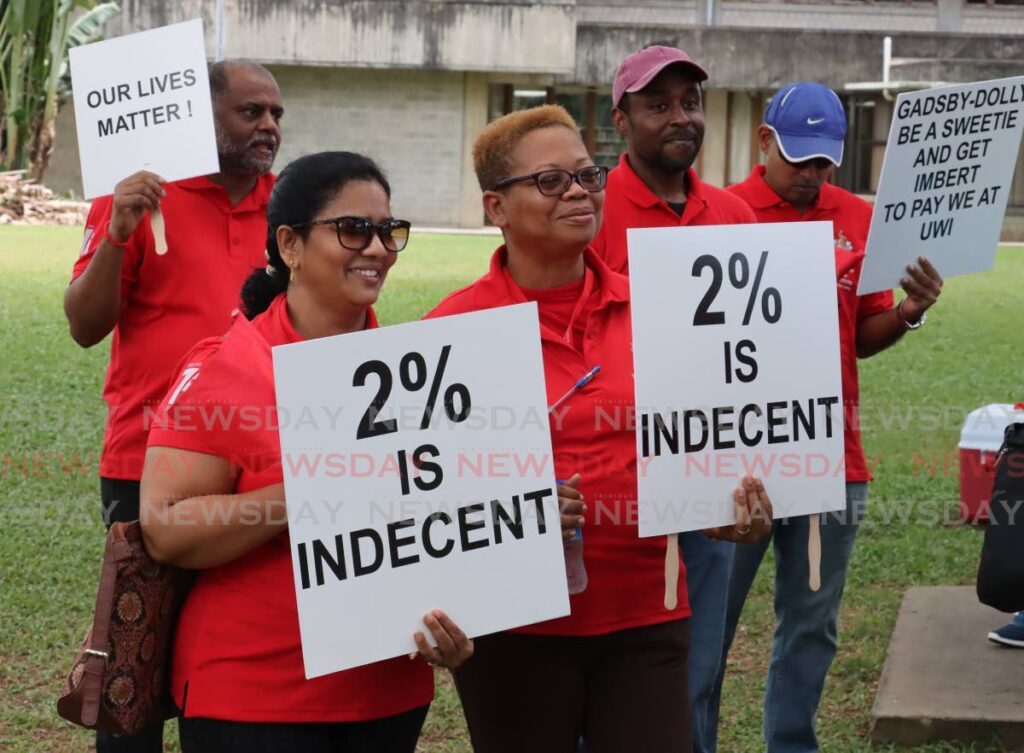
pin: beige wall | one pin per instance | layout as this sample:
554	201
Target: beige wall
411	122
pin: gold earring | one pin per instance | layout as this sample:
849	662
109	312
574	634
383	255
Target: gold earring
291	274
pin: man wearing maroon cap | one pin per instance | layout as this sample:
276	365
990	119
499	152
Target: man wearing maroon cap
658	108
802	138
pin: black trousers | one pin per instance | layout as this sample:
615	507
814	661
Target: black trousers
623	692
120	499
392	734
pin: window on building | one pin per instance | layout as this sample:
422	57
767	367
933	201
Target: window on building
859	171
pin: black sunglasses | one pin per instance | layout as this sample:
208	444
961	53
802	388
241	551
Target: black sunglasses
557	182
356	233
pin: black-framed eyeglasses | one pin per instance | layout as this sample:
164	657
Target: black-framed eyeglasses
557	182
356	233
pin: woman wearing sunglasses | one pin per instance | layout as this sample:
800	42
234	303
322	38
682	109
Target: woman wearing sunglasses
614	670
212	492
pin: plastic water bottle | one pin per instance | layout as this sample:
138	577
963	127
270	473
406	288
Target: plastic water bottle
575	570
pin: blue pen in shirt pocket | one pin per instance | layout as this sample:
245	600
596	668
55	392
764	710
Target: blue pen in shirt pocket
580	384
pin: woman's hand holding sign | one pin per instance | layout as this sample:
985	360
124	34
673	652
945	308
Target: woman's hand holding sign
453	647
571	506
753	514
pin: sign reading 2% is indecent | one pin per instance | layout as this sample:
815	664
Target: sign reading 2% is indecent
736	361
418	475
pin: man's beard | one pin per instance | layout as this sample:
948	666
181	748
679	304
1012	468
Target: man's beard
671	165
244	160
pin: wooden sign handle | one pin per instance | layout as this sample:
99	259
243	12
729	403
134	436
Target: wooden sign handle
814	552
156	222
671	571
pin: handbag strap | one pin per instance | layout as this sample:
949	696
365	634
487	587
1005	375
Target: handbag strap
1013	437
97	655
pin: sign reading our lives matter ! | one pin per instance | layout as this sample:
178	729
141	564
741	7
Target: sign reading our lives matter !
423	480
736	364
945	181
142	102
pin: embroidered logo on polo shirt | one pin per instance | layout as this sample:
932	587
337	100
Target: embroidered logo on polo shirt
188	375
843	242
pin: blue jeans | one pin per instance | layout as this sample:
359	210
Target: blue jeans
804	644
708	566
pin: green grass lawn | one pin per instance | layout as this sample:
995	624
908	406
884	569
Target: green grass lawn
914	397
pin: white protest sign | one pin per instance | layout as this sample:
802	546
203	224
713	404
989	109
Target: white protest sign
736	365
431	487
945	180
142	102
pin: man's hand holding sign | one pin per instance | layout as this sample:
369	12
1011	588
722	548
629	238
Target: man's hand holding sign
133	197
923	284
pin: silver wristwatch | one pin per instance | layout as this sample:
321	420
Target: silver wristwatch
906	322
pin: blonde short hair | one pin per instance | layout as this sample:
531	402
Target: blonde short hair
495	143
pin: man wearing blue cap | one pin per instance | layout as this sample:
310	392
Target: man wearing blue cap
802	140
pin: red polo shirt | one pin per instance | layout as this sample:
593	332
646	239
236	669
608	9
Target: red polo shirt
592	433
850	217
629	203
237	648
170	301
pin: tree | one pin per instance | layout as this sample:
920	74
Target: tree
35	36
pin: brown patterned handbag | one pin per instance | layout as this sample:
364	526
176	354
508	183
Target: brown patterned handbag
119	682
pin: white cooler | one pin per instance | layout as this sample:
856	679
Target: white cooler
980	440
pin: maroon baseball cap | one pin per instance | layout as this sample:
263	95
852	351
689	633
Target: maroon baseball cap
640	68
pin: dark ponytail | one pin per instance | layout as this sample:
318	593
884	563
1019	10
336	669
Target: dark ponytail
302	190
264	285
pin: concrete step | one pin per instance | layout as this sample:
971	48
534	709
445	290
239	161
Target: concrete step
943	680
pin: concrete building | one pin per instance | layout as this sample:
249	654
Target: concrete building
412	82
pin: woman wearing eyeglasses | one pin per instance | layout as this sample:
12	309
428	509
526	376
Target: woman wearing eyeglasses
212	492
614	670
